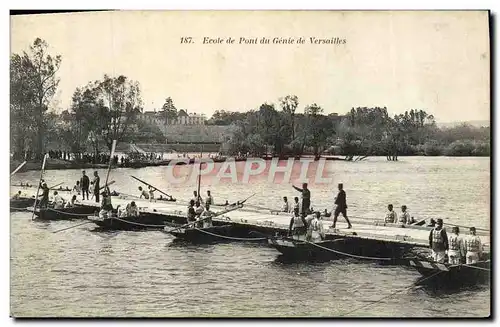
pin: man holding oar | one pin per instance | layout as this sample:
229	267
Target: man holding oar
151	187
45	195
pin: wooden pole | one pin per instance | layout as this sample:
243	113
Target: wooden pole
39	182
110	161
199	174
145	183
207	217
17	169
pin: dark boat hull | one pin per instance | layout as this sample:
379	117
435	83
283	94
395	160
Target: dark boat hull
148	221
21	204
217	234
77	212
446	276
340	247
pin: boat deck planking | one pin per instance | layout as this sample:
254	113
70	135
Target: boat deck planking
362	228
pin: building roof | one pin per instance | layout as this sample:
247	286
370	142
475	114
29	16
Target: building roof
181	113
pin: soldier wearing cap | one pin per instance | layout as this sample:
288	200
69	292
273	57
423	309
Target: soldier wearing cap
438	242
341	208
473	247
404	217
45	195
456	246
106	206
306	197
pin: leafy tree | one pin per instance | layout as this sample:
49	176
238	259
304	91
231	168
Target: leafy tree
289	105
119	102
319	128
168	110
33	85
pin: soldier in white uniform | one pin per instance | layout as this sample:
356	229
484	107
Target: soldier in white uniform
315	231
58	201
455	247
473	247
404	217
199	212
438	242
298	225
391	216
285	207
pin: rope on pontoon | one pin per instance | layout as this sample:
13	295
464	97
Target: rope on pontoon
233	238
348	254
393	293
14	208
60	230
470	266
138	224
69	213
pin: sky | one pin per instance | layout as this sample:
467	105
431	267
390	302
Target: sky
436	61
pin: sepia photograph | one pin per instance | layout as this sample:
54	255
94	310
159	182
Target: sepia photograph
250	164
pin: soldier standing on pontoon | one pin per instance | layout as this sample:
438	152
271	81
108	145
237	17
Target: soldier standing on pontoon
306	198
45	195
456	247
191	214
209	200
197	197
438	242
341	208
473	247
298	224
315	231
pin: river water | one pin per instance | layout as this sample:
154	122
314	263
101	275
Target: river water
84	273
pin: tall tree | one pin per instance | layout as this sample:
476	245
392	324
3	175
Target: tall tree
289	105
169	111
119	102
33	76
319	128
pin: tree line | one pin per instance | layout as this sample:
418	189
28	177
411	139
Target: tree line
360	133
109	108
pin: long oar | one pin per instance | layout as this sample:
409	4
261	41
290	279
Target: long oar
113	146
60	230
100	188
199	174
39	182
450	224
207	217
17	169
145	183
52	187
242	202
110	161
477	228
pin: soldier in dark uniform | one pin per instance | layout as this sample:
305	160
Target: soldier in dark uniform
84	184
341	208
306	198
45	196
438	241
96	183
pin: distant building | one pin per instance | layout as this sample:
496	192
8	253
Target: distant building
183	118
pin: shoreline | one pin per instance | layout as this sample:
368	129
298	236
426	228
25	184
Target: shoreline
56	164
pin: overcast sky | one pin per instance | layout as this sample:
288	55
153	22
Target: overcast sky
436	61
